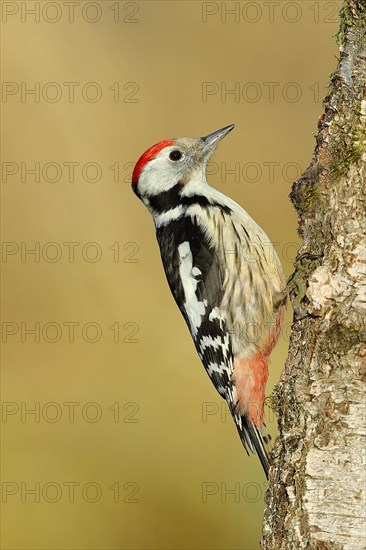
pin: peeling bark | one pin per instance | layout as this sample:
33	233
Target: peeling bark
316	495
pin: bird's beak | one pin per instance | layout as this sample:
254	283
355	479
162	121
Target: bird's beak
212	140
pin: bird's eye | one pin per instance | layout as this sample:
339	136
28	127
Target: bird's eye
175	155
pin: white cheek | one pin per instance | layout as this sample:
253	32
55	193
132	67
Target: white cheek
157	176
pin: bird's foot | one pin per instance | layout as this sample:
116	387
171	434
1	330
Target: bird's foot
296	285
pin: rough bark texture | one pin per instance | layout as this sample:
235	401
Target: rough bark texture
316	496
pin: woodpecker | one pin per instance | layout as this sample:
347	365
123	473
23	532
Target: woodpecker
223	272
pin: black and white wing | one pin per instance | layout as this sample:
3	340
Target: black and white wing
195	278
196	282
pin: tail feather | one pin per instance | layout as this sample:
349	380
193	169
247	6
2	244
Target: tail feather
254	439
259	440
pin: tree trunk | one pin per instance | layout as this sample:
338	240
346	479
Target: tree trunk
316	495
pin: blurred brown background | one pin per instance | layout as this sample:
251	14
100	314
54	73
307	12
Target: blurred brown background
128	445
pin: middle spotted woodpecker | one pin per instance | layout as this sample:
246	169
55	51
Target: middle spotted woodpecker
223	272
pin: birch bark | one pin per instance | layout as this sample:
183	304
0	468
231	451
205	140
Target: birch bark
316	495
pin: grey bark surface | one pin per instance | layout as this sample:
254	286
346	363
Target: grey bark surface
316	495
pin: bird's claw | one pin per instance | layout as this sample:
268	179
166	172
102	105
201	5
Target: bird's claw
296	284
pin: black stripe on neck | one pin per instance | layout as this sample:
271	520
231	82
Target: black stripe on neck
167	200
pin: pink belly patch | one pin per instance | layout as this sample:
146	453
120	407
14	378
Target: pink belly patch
250	377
